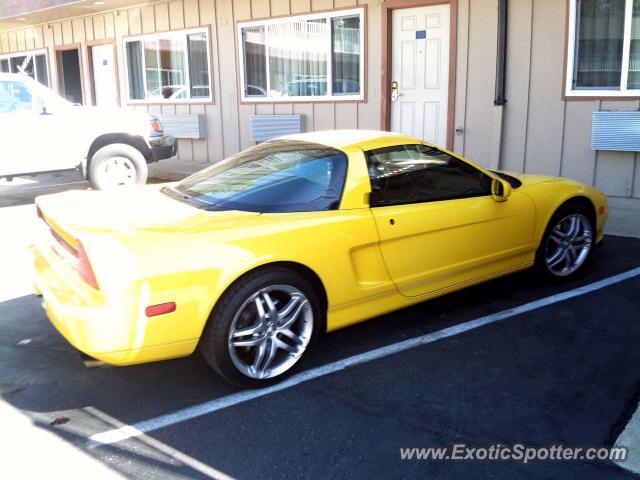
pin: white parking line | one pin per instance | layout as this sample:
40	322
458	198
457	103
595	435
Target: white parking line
162	421
171	452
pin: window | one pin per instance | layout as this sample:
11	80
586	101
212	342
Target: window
275	176
311	57
14	97
33	64
169	67
417	173
604	48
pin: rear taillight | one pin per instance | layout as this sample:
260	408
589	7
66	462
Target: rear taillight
76	256
84	267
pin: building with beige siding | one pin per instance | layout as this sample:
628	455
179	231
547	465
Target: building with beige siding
435	69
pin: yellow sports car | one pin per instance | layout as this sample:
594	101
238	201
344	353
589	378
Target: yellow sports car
251	258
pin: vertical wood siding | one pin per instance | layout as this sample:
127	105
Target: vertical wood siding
541	133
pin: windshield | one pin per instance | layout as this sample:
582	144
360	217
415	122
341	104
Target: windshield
276	176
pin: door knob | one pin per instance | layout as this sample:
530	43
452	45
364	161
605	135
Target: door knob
394	91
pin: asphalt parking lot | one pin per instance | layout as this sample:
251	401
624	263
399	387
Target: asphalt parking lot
565	373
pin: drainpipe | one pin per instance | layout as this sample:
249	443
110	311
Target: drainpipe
501	57
499	100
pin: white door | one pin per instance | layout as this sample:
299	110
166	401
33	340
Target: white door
420	70
104	76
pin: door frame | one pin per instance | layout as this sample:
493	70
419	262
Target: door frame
387	57
89	58
58	49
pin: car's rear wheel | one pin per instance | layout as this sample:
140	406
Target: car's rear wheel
567	243
117	165
261	327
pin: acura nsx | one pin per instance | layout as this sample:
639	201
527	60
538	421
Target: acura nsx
249	259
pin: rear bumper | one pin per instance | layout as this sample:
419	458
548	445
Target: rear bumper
111	332
163	147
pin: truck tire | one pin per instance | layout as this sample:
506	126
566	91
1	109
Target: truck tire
117	165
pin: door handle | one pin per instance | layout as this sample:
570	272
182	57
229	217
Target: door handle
394	91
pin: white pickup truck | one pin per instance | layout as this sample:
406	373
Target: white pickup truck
42	132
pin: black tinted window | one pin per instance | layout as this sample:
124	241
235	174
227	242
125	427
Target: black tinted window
417	173
276	176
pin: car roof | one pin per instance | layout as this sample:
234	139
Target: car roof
350	138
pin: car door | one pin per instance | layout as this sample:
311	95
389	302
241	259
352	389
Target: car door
16	117
438	223
61	131
36	136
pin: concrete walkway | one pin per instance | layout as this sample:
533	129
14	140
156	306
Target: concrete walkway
30	451
173	170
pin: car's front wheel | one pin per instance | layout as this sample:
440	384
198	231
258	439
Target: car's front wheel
261	327
567	243
117	165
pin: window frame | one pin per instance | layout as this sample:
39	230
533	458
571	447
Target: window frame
594	93
368	153
329	15
184	32
34	52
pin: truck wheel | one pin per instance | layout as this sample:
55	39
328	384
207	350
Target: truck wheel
117	165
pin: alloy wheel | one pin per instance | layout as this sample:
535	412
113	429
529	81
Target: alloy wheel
270	331
568	245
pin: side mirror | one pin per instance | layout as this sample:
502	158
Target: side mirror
500	190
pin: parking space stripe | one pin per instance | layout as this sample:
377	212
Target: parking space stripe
162	421
177	455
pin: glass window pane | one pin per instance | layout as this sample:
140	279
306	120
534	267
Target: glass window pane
4	66
298	58
173	74
17	63
42	73
600	32
176	67
152	69
134	67
14	97
255	62
417	173
6	99
28	66
198	65
275	176
345	44
634	53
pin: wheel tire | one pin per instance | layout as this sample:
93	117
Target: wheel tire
544	256
237	301
131	167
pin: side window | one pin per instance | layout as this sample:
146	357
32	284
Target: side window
417	173
14	97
